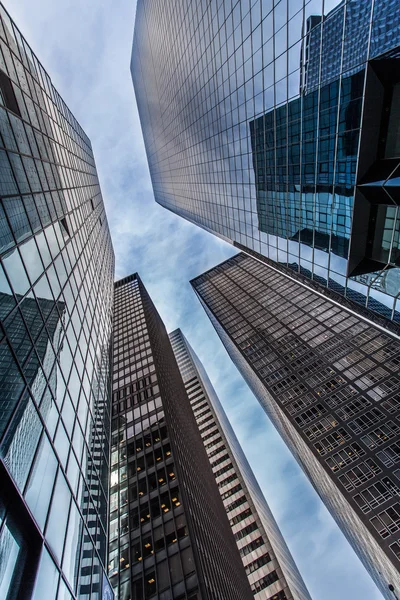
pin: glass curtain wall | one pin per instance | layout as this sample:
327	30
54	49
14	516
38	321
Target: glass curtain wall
275	125
56	296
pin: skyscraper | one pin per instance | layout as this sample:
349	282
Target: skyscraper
56	294
169	533
269	566
275	125
328	379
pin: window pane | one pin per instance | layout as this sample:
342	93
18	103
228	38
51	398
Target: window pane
56	525
9	552
40	486
46	580
72	544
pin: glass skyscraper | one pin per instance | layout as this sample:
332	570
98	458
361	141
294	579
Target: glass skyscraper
328	378
169	533
276	126
56	295
269	566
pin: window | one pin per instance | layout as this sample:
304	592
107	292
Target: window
163	575
187	561
352	408
396	549
201	414
264	582
341	396
47	578
392	404
236	503
365	421
376	494
380	435
245	531
150	586
7	94
391	455
332	441
229	479
340	459
202	421
279	596
359	474
299	404
212	444
223	470
388	521
230	492
257	564
240	517
220	460
181	527
11	555
65	228
329	386
251	546
320	427
175	568
310	415
20	544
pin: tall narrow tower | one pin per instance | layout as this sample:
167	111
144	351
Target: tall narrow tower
328	378
56	295
169	533
269	566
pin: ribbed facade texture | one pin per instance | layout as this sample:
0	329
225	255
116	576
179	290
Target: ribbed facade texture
169	533
328	378
276	126
269	566
56	295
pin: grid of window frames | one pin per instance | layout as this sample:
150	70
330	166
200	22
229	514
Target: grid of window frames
332	378
151	554
149	549
263	564
259	106
56	294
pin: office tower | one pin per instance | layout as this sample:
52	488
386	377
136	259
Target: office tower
269	566
328	379
275	125
169	533
56	295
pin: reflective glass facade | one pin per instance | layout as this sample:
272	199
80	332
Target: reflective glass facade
268	564
169	533
56	295
328	378
276	124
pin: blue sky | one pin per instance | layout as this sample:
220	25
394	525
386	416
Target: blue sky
85	46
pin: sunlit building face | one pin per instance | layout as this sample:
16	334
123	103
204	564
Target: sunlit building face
275	125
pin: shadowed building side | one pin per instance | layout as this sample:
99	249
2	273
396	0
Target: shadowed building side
169	533
328	379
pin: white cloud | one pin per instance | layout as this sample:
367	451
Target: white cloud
86	47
